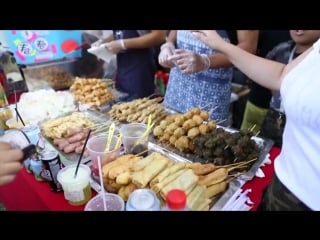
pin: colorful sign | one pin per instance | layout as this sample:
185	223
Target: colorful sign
34	46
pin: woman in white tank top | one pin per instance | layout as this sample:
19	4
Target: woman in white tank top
296	183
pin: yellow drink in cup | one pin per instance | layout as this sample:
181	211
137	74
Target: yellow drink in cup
77	190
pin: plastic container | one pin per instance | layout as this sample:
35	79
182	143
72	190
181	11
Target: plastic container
113	203
77	190
143	200
96	147
176	200
133	140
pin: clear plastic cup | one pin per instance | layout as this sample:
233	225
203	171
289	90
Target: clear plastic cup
133	140
97	147
32	132
77	190
113	203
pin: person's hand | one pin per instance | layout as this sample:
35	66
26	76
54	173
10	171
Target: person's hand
209	37
115	46
167	50
10	162
190	62
97	43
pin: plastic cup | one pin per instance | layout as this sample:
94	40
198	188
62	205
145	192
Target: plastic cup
32	132
77	190
133	140
97	147
113	203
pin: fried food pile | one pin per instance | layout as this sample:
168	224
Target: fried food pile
179	130
59	127
222	147
201	182
91	91
138	111
56	77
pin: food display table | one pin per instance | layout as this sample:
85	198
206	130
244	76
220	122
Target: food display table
25	193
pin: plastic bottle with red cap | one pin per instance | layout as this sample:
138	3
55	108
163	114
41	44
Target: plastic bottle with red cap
176	200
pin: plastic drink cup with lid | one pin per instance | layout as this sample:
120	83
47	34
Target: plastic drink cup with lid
113	203
77	189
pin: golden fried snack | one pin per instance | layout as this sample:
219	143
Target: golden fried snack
204	115
182	143
195	111
214	177
203	129
198	120
106	168
114	172
190	123
141	163
203	169
205	205
121	193
91	91
196	197
128	190
185	181
124	178
216	189
166	172
193	132
157	187
112	186
143	177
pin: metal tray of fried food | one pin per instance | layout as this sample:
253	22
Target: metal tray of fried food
217	201
101	125
263	144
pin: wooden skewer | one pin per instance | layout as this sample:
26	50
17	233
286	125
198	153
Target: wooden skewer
205	106
235	164
221	121
241	164
253	127
212	109
141	153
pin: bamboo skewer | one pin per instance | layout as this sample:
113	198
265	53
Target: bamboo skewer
221	121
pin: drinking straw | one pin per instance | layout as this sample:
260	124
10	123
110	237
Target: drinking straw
118	141
149	120
101	185
18	114
84	147
145	134
110	135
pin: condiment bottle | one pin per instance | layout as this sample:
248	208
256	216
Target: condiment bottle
176	200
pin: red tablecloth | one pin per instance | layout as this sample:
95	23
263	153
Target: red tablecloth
27	194
258	184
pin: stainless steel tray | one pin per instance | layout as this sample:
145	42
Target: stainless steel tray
70	158
263	143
